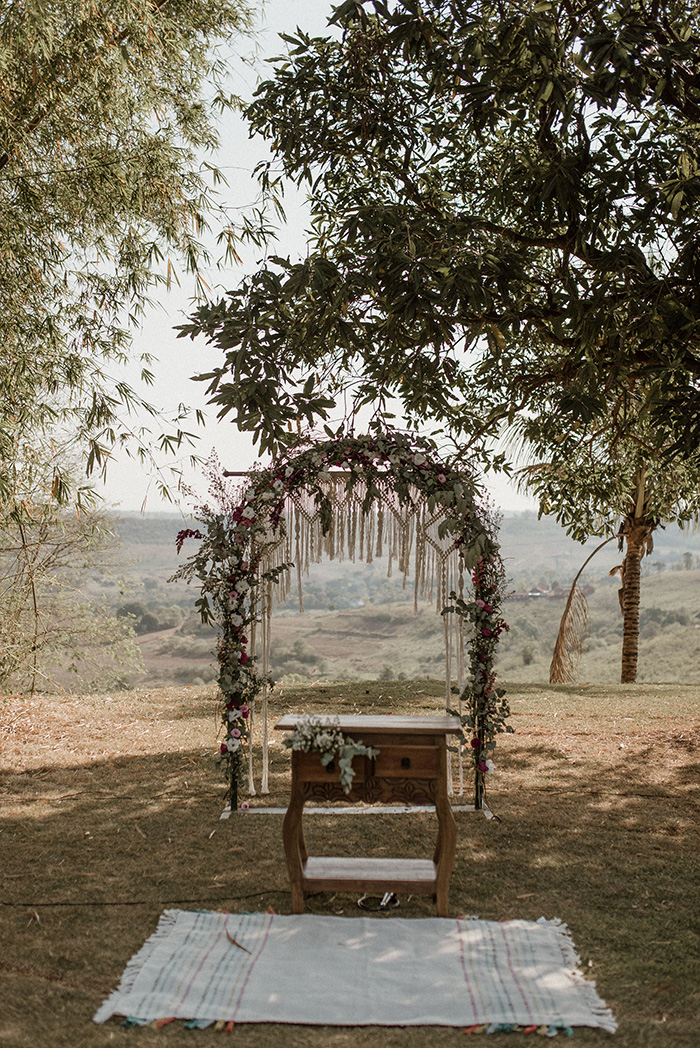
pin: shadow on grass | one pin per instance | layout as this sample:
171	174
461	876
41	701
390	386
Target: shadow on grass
93	853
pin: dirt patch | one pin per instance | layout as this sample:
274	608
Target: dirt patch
110	814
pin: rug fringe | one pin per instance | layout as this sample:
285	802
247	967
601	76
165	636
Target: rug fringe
587	986
543	1031
166	923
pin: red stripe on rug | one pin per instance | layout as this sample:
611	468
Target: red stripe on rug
516	980
464	968
262	946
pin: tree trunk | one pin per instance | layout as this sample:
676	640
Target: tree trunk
636	531
631	578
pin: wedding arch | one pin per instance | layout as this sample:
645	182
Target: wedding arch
379	494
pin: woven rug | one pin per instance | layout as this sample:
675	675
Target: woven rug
253	967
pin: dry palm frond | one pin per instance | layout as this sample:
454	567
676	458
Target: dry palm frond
572	630
569	642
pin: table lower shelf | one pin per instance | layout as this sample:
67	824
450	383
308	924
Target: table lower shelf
324	873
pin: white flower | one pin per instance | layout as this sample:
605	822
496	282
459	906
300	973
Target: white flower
278	485
243	585
234	715
250	494
232	745
419	459
248	512
237	620
490	766
288	471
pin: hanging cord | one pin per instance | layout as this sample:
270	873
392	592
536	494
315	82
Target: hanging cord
458	622
251	708
448	674
298	557
266	614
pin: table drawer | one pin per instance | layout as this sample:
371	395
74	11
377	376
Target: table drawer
310	769
407	762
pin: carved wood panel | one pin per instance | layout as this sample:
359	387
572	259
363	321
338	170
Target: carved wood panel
375	790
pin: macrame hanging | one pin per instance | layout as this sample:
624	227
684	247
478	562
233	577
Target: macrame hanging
404	531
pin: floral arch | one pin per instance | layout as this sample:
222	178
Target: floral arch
351	496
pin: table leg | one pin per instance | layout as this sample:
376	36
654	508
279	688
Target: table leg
445	848
295	848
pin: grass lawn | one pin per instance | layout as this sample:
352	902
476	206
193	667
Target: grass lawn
110	814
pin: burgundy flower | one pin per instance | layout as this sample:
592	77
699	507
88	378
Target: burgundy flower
244	658
224	747
486	632
482	766
475	744
186	533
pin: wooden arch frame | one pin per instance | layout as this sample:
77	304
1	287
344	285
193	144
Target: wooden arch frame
249	548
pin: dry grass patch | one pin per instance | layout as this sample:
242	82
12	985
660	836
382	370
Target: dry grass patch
111	813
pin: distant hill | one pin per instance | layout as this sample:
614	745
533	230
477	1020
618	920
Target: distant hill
360	624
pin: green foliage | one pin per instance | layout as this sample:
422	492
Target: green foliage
104	111
299	661
150	620
505	211
594	473
51	635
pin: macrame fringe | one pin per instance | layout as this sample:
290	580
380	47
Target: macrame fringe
405	532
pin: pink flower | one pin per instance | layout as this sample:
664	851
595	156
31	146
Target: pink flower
235	733
484	606
442	478
244	712
245	806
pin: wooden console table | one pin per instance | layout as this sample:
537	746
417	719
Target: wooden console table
411	768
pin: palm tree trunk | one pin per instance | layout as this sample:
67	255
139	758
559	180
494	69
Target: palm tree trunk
637	530
631	589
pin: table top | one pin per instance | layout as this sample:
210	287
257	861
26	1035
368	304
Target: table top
447	725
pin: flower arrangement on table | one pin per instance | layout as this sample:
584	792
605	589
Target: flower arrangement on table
240	525
313	735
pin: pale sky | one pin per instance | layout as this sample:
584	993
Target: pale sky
128	484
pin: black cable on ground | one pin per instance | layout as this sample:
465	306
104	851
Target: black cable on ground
159	902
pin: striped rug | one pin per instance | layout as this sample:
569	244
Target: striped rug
252	967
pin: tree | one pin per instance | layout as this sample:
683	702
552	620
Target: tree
50	630
610	479
105	111
504	211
